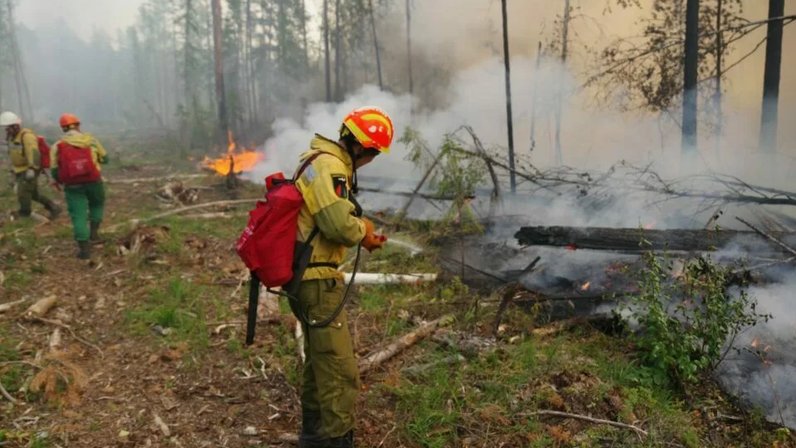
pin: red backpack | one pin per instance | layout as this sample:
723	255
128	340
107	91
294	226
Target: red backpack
76	165
44	151
267	244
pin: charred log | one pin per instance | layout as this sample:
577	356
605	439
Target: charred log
635	240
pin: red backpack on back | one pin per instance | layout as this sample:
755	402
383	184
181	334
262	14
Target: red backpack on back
267	244
44	152
76	165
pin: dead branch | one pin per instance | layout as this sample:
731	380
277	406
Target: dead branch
585	418
772	238
7	306
70	330
155	179
7	396
377	358
183	209
416	191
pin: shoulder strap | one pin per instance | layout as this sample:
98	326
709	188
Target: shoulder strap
307	163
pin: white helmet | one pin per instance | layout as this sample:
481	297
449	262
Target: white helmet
9	119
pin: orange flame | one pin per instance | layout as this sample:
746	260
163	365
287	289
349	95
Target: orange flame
649	225
585	286
237	159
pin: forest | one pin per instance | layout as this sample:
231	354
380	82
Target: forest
567	224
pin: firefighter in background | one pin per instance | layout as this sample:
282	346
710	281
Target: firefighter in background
77	158
331	378
23	150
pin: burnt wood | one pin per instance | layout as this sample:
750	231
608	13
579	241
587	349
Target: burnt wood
634	240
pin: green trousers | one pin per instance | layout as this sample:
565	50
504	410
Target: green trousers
331	377
85	202
27	192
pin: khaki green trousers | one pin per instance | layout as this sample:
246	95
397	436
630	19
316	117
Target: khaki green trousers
331	377
27	192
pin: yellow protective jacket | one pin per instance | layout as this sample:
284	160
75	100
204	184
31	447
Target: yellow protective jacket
325	186
81	140
23	150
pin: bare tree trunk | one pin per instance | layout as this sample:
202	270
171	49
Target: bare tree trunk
326	51
559	106
509	117
250	83
535	95
409	45
719	68
337	53
768	125
376	43
23	93
221	95
691	70
304	35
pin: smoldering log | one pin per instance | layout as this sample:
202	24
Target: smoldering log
636	240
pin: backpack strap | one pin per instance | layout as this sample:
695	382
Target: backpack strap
306	164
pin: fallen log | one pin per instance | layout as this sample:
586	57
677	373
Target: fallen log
377	358
634	240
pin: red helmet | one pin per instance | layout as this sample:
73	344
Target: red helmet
68	120
372	128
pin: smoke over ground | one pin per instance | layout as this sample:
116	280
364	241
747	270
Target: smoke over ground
592	140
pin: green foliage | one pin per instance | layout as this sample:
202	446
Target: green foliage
688	323
456	175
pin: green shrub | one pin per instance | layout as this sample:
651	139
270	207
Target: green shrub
688	323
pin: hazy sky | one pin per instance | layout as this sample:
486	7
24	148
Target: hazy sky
84	16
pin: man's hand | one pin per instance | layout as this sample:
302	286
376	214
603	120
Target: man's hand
372	240
30	174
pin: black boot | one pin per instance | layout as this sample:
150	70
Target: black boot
345	441
310	424
94	235
83	250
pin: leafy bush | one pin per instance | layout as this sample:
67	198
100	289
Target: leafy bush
688	323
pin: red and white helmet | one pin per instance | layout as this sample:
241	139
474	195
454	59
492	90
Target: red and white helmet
372	128
10	119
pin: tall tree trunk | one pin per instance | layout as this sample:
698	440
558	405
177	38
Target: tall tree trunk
509	118
559	105
304	35
768	125
326	52
409	45
23	93
535	94
251	95
221	96
719	56
691	70
337	52
376	43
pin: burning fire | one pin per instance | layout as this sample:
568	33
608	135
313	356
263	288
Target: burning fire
585	286
237	160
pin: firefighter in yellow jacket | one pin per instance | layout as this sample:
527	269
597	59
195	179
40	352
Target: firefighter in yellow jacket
23	150
331	379
78	157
